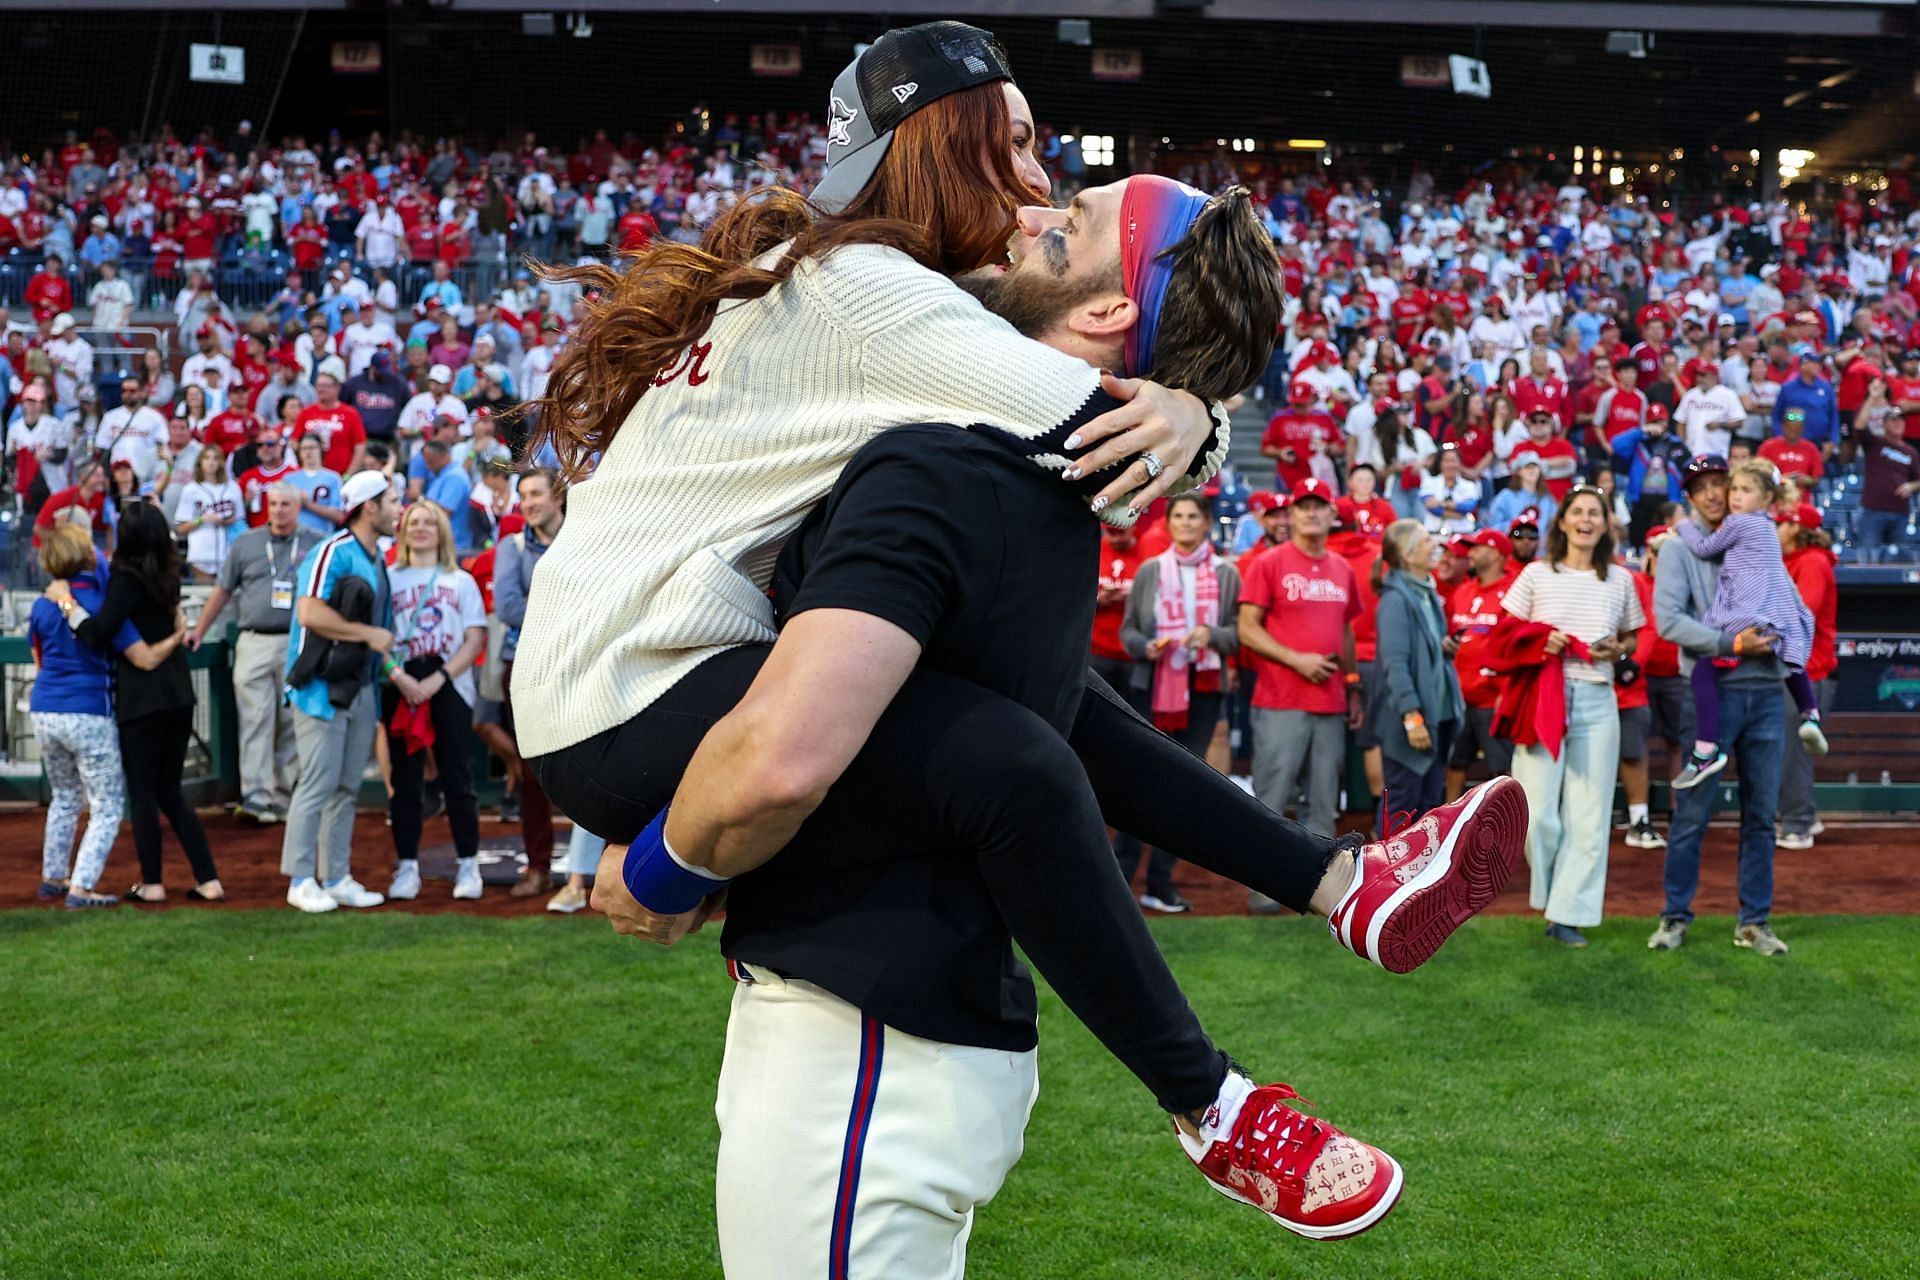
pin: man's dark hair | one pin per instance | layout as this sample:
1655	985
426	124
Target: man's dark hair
1224	302
379	453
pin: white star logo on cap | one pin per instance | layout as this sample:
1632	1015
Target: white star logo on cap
838	118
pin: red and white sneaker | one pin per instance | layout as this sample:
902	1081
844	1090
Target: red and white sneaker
1300	1171
1411	891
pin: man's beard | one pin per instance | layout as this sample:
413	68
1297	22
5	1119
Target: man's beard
1034	302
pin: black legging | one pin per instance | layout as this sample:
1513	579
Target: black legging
452	749
951	765
153	749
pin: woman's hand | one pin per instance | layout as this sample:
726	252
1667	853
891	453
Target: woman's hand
1419	737
612	900
58	591
1557	641
1198	638
1157	646
1171	425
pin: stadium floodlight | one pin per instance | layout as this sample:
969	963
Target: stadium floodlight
1097	148
1307	144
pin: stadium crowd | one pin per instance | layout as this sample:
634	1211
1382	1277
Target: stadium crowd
1481	394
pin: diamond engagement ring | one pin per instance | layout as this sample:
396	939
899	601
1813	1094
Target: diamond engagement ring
1153	464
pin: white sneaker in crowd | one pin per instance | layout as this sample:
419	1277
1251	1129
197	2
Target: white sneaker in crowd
307	895
351	893
466	881
406	881
569	900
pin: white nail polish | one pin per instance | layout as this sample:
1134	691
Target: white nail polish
1073	442
1100	504
1071	473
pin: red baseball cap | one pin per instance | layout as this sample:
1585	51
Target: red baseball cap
1263	501
511	523
1302	390
1656	412
1323	351
1459	547
1311	488
1491	538
1530	518
1806	515
1657	532
1522	457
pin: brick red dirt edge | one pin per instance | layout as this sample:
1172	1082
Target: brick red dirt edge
1865	869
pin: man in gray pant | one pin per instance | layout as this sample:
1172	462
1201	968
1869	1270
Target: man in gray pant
1300	594
336	743
258	575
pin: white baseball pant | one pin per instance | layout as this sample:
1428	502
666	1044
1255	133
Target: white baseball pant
850	1150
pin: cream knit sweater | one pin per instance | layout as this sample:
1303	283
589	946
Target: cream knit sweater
669	547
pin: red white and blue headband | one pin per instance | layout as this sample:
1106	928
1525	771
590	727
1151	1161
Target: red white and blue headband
1155	214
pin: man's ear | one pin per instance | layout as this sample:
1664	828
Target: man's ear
1107	316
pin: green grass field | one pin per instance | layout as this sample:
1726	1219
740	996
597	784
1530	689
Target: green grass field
265	1095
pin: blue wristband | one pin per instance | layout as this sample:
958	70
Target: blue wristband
658	880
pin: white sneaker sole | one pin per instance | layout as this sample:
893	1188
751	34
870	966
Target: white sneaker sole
313	907
1344	1230
468	895
1812	738
1426	919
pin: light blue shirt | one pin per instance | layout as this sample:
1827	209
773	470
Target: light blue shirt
323	487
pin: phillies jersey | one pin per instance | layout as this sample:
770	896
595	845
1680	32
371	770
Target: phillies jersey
1473	611
1117	570
1296	431
1647	357
254	484
1559	465
1793	457
1551	395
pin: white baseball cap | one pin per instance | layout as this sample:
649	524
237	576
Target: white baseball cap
440	373
361	488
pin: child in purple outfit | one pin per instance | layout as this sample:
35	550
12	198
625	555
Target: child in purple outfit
1754	591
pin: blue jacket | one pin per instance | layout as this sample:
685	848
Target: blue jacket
1634	452
74	678
1820	402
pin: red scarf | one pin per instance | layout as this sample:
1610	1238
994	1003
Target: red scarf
1170	684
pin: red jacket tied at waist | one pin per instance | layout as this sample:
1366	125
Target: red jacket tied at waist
1532	710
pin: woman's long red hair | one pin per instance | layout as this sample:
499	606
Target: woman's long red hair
945	195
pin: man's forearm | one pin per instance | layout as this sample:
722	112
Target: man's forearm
1255	636
769	762
321	618
216	601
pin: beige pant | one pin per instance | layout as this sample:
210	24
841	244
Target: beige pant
268	763
848	1148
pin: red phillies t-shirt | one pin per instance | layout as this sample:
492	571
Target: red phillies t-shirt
228	431
1793	457
1408	310
254	483
1550	394
309	243
1559	465
1296	430
1117	569
423	242
1310	603
199	234
1371	518
1360	551
1473	611
1627	410
1853	384
1475	441
339	428
1647	357
1903	391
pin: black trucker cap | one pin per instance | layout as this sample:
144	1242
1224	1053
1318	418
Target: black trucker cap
899	73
